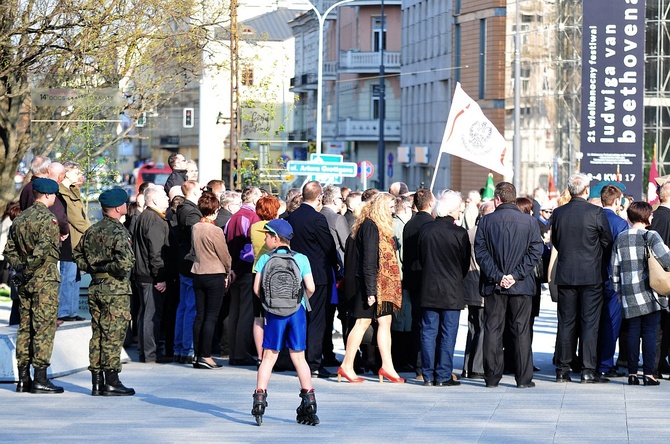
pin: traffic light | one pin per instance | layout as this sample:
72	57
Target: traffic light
141	119
188	117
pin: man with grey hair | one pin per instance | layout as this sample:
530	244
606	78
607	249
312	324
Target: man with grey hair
471	213
339	229
70	196
444	254
150	245
581	234
39	167
508	246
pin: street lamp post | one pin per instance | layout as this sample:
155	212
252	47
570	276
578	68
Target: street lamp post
319	72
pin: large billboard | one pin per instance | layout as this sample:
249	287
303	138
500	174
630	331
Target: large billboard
612	134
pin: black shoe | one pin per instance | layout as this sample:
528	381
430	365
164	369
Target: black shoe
203	364
428	383
633	380
78	318
531	384
536	369
114	387
448	383
475	375
331	362
590	378
42	384
613	373
322	373
66	318
492	385
563	377
648	380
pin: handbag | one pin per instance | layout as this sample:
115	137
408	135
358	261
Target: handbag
659	279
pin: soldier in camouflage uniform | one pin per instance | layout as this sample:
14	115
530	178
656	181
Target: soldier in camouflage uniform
106	253
32	249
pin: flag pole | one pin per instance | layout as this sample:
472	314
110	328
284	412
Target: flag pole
437	165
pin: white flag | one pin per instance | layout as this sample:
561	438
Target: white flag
471	136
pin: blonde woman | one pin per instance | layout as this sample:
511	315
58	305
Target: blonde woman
378	285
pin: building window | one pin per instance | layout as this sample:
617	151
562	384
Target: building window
248	77
482	58
378	34
376	102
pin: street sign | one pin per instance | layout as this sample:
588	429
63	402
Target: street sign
365	167
307	168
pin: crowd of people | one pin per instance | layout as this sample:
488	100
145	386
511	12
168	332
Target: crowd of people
397	268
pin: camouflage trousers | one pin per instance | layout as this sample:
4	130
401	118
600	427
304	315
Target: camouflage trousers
110	315
38	310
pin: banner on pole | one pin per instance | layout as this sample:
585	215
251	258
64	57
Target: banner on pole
470	135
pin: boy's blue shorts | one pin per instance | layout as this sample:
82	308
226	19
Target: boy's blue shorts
290	331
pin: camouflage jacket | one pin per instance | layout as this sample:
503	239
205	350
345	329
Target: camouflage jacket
105	251
32	244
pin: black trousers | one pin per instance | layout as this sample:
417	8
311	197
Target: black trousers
316	325
209	289
581	304
241	320
473	360
515	310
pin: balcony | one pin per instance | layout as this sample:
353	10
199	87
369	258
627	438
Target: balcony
368	130
330	71
303	83
369	62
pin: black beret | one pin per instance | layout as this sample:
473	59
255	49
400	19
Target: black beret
45	186
113	198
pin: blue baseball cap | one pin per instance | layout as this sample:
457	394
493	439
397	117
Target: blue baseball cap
279	227
113	198
45	186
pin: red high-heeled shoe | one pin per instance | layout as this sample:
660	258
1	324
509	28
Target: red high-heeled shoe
341	372
383	374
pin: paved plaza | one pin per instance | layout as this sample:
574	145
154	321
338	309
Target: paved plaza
176	403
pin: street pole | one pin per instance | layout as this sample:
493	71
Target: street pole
319	72
516	149
381	148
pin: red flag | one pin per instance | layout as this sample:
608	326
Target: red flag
652	197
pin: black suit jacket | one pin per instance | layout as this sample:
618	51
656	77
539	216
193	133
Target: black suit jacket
411	267
661	223
311	237
581	234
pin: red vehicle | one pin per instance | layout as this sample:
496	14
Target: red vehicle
152	172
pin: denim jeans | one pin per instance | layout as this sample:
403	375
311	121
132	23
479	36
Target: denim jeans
183	329
68	290
438	327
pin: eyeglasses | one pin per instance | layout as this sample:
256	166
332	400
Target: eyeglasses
547	211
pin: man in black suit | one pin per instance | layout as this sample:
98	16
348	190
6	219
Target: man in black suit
661	224
313	239
508	246
581	234
411	267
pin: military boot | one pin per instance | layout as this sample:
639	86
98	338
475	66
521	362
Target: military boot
97	382
113	386
41	384
25	384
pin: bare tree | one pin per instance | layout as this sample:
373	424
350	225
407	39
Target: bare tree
65	63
